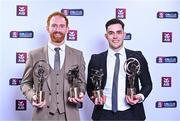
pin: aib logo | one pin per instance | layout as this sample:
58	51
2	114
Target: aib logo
21	105
166	104
73	12
21	10
21	57
166	59
167	15
167	37
166	81
21	34
128	36
72	35
120	13
160	14
15	81
14	34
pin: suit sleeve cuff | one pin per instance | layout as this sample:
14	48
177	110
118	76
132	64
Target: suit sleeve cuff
142	98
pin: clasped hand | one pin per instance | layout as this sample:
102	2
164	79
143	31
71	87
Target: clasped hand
43	103
132	101
38	105
76	100
99	101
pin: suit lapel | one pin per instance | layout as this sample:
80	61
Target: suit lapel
128	55
66	66
103	61
67	59
45	56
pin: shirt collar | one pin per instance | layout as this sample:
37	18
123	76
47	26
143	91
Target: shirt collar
51	46
111	52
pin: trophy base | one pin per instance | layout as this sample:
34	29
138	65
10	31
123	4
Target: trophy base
40	96
98	93
131	92
74	92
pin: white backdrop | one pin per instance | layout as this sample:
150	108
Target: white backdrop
141	22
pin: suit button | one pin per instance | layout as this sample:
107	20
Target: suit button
49	93
57	74
57	102
48	106
57	83
57	93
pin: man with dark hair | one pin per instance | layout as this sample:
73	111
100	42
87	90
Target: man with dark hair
116	103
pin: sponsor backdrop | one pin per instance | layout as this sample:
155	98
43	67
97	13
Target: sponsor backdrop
152	26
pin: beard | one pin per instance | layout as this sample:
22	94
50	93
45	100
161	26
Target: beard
57	37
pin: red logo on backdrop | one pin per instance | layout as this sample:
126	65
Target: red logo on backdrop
166	81
65	12
21	57
22	10
120	13
167	37
15	81
21	105
160	14
72	35
14	34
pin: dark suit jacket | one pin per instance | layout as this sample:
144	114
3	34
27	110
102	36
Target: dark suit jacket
30	81
98	61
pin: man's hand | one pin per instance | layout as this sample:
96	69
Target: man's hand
134	100
38	105
99	101
76	100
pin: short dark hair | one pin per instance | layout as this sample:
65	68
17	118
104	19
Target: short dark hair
114	21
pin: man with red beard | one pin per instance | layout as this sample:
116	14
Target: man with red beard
57	105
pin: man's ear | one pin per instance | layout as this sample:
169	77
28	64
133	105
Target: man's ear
124	34
67	30
105	35
47	28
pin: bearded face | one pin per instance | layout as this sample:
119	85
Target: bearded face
57	37
57	29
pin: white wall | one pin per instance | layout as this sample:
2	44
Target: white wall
140	21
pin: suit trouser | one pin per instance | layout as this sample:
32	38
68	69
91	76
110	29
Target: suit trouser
108	115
